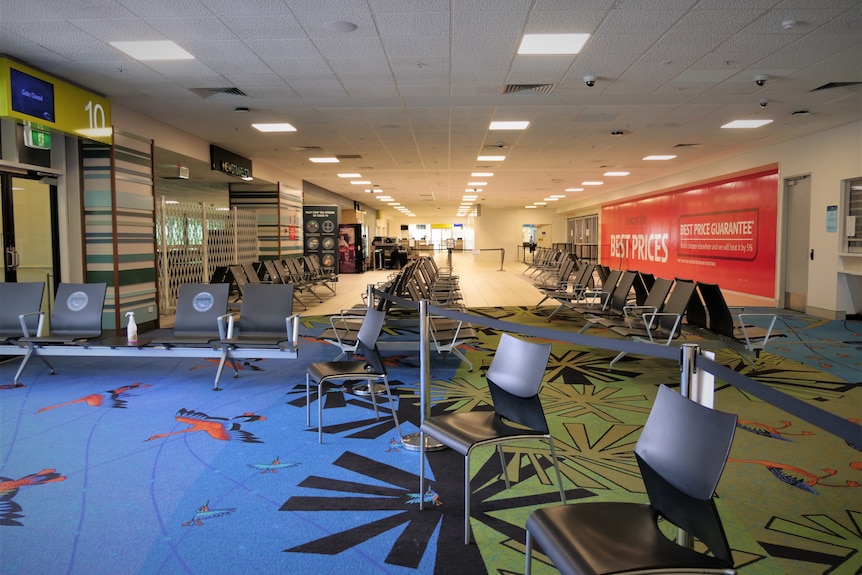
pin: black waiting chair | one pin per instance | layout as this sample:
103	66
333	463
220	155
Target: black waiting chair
681	454
514	379
370	369
264	323
75	320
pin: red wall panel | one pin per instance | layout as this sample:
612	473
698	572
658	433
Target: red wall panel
721	232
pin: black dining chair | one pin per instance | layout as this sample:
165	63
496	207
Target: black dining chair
514	378
681	453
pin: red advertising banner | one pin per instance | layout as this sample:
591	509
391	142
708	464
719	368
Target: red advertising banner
721	232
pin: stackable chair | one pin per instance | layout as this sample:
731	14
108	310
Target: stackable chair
370	369
76	319
681	454
514	379
264	323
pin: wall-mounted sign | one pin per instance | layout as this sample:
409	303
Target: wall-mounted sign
721	232
33	96
36	138
227	162
320	231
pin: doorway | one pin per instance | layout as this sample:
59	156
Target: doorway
797	197
28	225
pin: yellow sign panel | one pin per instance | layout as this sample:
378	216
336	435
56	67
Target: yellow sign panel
33	96
441	226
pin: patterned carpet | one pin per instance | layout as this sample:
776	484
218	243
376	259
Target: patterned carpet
136	466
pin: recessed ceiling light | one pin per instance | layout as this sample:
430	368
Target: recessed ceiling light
340	26
531	207
153	50
360	182
324	160
513	125
552	43
346	175
394	204
574	189
540	203
659	157
491	158
747	123
481	174
469	197
557	197
477	183
615	174
551	199
283	127
592	183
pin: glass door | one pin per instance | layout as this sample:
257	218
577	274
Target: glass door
28	216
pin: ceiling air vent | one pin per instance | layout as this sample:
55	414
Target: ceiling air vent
219	92
348	156
532	88
687	146
832	85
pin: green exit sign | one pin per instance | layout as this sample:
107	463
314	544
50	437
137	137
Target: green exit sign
39	139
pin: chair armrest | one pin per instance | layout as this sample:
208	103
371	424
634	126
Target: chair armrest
748	337
226	324
291	325
650	319
22	319
631	312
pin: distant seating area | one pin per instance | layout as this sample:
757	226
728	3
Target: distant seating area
657	310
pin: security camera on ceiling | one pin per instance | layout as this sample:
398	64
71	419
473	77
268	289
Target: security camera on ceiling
590	81
761	79
764	102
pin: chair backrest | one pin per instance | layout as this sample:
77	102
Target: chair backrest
643	283
272	270
620	294
19	298
658	293
198	309
264	309
677	303
366	344
585	275
514	378
78	310
695	313
720	318
682	452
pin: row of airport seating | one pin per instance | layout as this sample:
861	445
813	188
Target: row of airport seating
265	326
304	273
659	310
421	279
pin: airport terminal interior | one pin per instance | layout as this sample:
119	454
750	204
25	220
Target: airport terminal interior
416	286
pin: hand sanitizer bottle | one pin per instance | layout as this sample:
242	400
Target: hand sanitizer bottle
132	328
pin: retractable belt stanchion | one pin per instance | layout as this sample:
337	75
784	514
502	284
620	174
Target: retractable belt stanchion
688	369
411	440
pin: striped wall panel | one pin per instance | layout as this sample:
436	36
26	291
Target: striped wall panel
119	226
279	212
